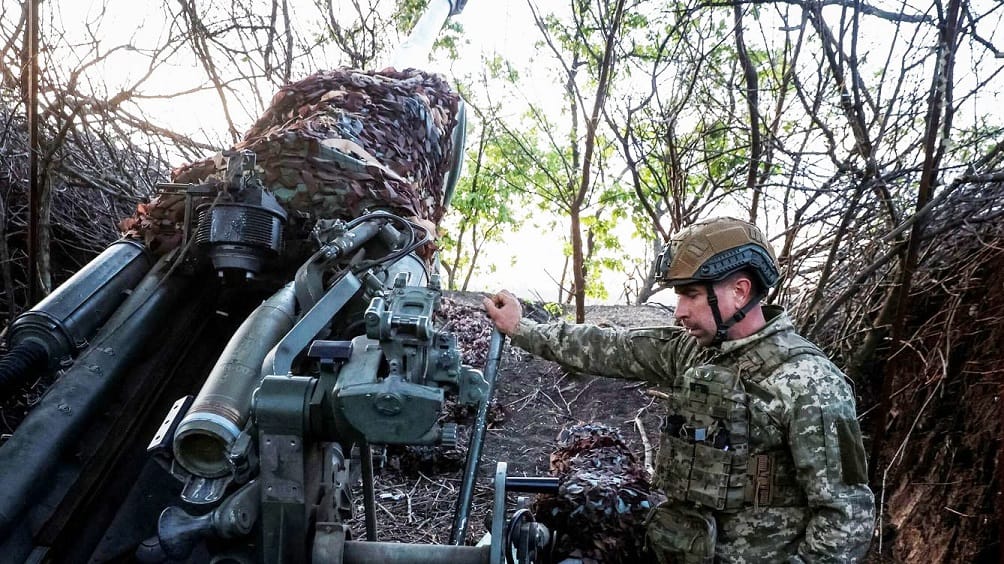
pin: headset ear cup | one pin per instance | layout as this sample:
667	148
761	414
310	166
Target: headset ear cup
663	261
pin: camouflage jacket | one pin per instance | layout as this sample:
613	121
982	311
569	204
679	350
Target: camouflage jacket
803	406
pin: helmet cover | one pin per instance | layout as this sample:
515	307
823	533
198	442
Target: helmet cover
711	250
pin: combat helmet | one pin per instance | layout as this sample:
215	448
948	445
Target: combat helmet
711	250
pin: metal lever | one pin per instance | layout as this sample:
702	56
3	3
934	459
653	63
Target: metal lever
460	520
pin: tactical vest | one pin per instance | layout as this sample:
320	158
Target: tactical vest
704	454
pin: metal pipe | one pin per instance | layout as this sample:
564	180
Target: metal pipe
414	51
50	430
462	515
223	405
532	484
357	552
369	494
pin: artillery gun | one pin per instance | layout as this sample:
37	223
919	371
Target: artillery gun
257	460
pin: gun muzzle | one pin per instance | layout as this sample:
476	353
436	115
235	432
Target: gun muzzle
223	405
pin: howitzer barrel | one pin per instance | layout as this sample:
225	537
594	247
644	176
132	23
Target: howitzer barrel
224	403
414	51
61	324
50	428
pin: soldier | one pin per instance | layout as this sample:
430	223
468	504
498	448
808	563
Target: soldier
760	456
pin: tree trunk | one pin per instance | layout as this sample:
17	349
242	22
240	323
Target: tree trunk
578	278
939	115
752	100
648	286
451	270
45	234
474	257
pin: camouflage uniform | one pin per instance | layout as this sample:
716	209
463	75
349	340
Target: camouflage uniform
800	412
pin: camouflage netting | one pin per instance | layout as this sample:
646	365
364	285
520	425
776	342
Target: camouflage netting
603	496
332	146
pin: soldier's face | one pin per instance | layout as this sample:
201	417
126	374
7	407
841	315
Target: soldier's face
694	313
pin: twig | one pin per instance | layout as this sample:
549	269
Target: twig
550	399
959	513
657	394
568	408
582	391
528	398
649	466
385	510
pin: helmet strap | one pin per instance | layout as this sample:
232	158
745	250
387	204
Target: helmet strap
722	326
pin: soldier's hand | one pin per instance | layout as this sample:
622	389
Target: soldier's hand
504	310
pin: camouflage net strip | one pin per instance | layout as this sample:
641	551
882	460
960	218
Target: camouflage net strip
603	496
333	145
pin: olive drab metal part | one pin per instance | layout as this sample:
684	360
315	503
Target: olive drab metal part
705	452
711	250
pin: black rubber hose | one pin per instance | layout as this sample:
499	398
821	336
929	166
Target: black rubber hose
22	360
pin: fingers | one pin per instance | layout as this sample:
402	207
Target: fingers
498	301
504	310
504	298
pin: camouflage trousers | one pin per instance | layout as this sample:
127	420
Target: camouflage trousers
675	534
686	534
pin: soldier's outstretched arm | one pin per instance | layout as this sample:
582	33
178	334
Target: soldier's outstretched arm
830	461
654	354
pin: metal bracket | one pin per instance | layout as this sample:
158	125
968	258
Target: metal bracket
311	324
329	543
498	515
164	437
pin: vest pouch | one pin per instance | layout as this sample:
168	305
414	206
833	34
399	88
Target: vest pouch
703	450
718	479
676	534
673	465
